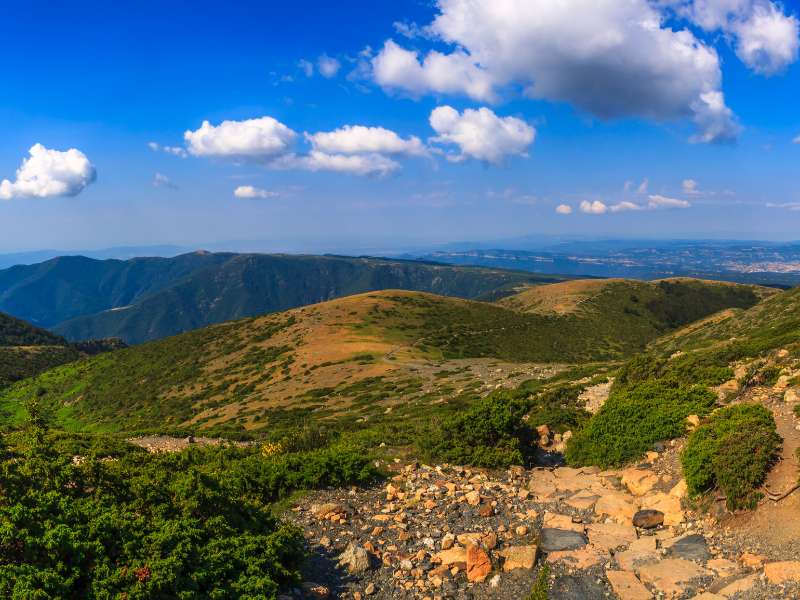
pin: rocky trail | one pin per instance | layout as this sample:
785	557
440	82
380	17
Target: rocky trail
445	532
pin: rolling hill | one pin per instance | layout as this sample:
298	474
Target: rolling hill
358	357
26	350
148	298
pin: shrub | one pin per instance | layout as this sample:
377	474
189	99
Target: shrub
733	451
633	419
490	433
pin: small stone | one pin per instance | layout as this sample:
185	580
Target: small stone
691	547
782	571
555	540
473	498
315	591
648	519
521	530
370	589
355	559
451	556
447	541
626	586
753	561
518	557
478	564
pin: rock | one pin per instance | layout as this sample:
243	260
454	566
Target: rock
627	586
465	539
728	588
447	541
555	540
639	481
518	557
672	575
542	430
641	552
680	489
753	561
618	506
584	558
666	503
610	536
582	500
691	547
355	559
486	511
553	520
722	567
452	556
791	395
708	596
782	571
329	508
521	531
648	519
692	421
473	498
478	564
370	589
315	590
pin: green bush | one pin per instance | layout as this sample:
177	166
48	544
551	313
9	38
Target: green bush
733	451
633	419
490	433
194	524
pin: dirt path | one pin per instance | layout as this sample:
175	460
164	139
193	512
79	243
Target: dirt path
774	527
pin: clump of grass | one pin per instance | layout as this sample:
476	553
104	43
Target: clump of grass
733	451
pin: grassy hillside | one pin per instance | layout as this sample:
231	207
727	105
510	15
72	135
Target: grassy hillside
26	351
149	298
352	358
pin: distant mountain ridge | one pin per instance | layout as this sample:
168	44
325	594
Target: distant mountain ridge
148	298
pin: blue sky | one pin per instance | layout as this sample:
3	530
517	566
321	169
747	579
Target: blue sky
527	119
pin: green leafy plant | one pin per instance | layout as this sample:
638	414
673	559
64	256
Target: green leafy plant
732	451
633	419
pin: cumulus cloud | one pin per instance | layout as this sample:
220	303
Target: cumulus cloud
594	208
249	191
399	69
174	150
47	173
357	139
248	139
328	66
162	181
564	209
610	58
765	38
624	206
481	134
690	187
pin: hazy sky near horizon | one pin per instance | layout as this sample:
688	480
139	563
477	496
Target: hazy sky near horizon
414	121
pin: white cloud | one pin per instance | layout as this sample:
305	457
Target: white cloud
792	206
174	150
162	181
642	189
564	209
253	138
397	68
357	139
796	140
765	39
48	173
249	191
690	187
481	134
306	67
610	58
624	206
656	201
594	208
356	164
328	66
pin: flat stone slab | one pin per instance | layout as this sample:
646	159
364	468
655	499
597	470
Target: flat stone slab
627	586
558	540
671	576
691	547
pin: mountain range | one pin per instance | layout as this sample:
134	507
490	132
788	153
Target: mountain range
148	298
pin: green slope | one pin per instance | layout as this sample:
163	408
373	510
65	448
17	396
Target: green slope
252	284
346	356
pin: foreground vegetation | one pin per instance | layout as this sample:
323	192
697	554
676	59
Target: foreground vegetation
121	523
